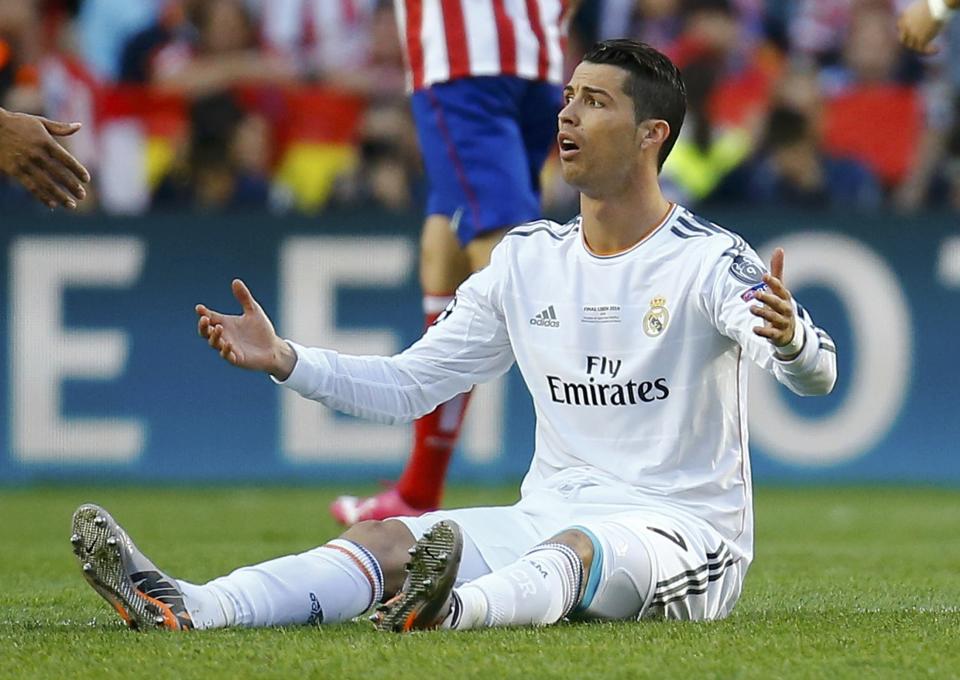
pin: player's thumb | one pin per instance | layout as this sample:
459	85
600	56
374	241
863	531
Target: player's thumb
243	295
56	128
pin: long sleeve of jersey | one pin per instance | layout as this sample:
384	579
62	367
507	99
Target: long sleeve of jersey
468	345
729	293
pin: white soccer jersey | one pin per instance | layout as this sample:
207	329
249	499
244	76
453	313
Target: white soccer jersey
635	364
449	39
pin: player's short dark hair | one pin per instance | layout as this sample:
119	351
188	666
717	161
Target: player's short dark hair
654	83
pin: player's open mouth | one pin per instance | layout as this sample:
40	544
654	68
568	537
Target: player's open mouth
568	147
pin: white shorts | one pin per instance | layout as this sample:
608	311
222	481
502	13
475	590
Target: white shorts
695	575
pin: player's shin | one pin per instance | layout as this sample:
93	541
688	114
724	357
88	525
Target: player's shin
335	582
540	588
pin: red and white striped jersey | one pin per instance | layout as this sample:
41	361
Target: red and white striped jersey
449	39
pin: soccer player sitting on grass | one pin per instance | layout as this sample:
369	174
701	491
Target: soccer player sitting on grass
630	325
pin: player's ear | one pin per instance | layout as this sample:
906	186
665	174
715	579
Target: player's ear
652	132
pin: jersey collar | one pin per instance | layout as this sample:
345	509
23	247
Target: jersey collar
670	216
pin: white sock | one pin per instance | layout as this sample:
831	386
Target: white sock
329	584
207	607
539	589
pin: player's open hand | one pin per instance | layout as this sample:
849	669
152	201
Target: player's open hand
917	27
248	340
30	154
777	308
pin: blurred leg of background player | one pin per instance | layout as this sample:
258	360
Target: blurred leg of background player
484	142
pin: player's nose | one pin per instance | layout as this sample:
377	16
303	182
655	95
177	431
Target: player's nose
568	114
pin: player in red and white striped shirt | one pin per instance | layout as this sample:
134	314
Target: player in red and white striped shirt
450	39
486	81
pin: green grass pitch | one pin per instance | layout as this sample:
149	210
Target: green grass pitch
848	582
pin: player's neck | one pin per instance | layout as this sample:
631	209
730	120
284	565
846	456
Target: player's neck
614	224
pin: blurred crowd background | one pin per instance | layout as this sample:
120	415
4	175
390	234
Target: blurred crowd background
301	105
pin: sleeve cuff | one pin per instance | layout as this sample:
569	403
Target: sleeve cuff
808	351
300	377
795	347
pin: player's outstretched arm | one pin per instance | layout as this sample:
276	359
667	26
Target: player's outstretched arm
922	21
30	154
776	309
787	343
248	340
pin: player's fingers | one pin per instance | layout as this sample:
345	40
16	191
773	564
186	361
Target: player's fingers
776	302
774	318
215	333
764	313
65	170
226	351
50	189
768	333
203	326
62	179
776	286
65	160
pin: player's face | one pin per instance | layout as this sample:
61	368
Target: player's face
598	131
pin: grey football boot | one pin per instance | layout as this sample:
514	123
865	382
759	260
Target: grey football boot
427	593
142	595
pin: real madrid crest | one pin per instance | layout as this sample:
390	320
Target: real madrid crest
657	317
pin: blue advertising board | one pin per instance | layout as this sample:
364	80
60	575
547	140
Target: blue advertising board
104	377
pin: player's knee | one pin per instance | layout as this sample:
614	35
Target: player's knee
389	541
443	263
620	576
581	544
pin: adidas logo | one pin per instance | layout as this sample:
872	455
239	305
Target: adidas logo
547	317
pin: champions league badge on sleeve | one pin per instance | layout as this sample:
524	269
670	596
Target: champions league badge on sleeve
746	270
657	317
